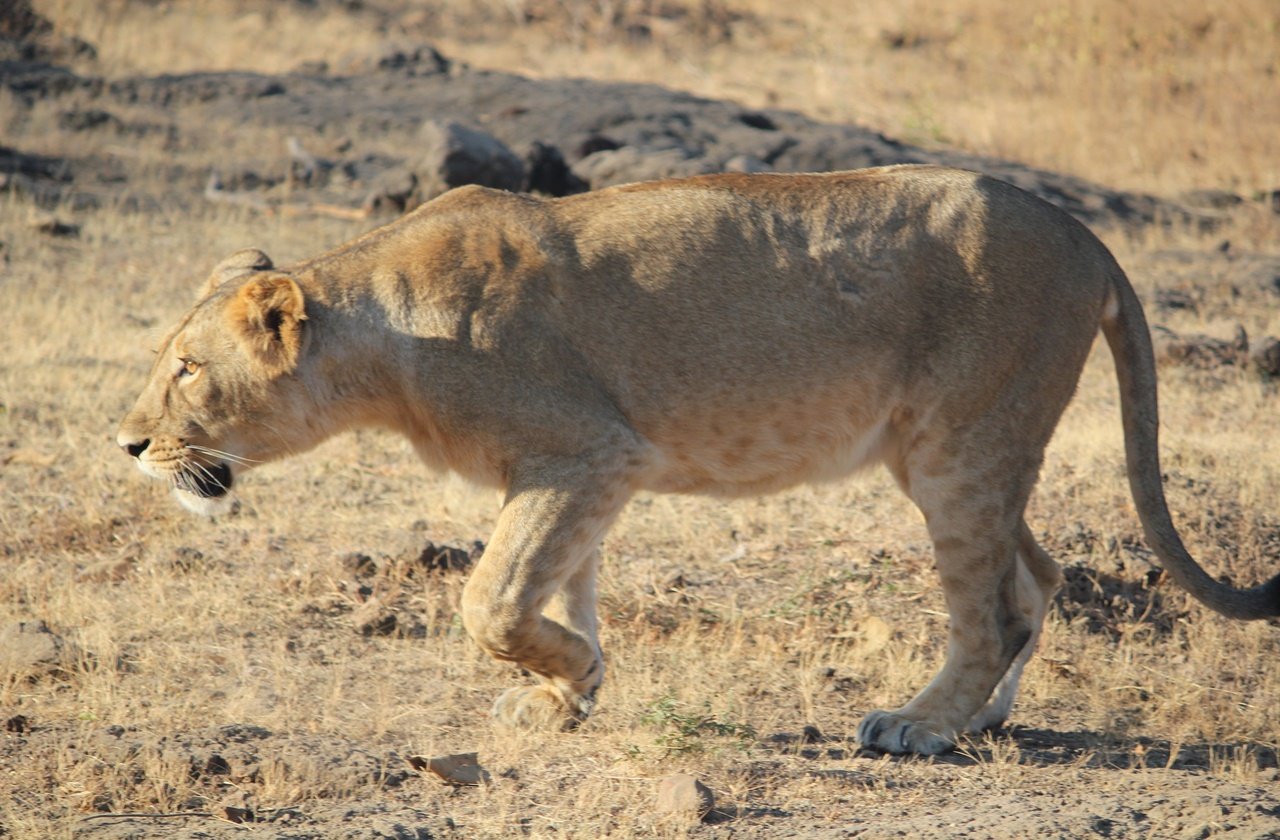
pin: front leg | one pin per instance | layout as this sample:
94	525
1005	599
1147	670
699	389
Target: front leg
545	547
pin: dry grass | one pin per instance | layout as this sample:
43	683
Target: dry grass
805	608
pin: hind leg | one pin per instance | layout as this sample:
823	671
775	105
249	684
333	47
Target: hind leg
1038	578
974	513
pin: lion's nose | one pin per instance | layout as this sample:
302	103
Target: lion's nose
135	448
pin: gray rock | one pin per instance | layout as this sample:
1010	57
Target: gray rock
746	163
548	173
411	59
30	649
460	769
391	191
629	164
683	795
1212	199
453	155
1200	351
1266	356
374	618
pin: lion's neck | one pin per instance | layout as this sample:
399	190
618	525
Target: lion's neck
374	361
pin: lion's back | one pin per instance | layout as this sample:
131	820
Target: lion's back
725	312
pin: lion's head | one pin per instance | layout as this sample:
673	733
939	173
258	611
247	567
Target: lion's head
220	397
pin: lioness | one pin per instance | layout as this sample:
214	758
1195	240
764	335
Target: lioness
726	334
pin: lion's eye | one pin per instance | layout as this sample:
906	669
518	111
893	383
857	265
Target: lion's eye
189	368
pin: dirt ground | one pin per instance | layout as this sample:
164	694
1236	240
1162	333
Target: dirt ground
277	672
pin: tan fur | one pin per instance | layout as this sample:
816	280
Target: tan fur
726	334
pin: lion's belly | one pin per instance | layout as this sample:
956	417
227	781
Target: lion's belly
764	447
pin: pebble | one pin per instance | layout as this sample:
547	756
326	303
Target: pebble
682	794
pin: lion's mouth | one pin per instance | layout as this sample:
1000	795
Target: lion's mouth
209	481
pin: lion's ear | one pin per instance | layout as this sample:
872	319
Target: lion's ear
239	264
266	316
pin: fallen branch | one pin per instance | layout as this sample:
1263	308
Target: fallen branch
214	192
133	815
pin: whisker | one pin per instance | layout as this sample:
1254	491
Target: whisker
192	447
183	481
237	459
207	474
280	435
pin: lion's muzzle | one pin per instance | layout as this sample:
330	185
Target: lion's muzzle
172	461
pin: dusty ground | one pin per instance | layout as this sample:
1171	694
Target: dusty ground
272	672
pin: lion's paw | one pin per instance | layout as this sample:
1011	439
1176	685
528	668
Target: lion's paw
533	707
893	733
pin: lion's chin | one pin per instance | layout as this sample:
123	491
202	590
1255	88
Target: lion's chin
209	491
204	505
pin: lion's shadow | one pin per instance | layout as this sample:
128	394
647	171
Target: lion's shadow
1046	747
1035	747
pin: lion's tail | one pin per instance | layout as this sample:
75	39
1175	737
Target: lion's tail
1126	330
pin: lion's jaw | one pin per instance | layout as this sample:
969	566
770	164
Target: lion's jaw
214	502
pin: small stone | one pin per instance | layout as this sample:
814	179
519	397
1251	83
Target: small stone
239	815
373	618
1199	351
187	559
682	794
593	143
676	583
77	120
391	192
49	224
460	769
546	172
414	59
757	120
1212	199
1170	299
358	564
31	649
217	766
746	163
1266	356
447	558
